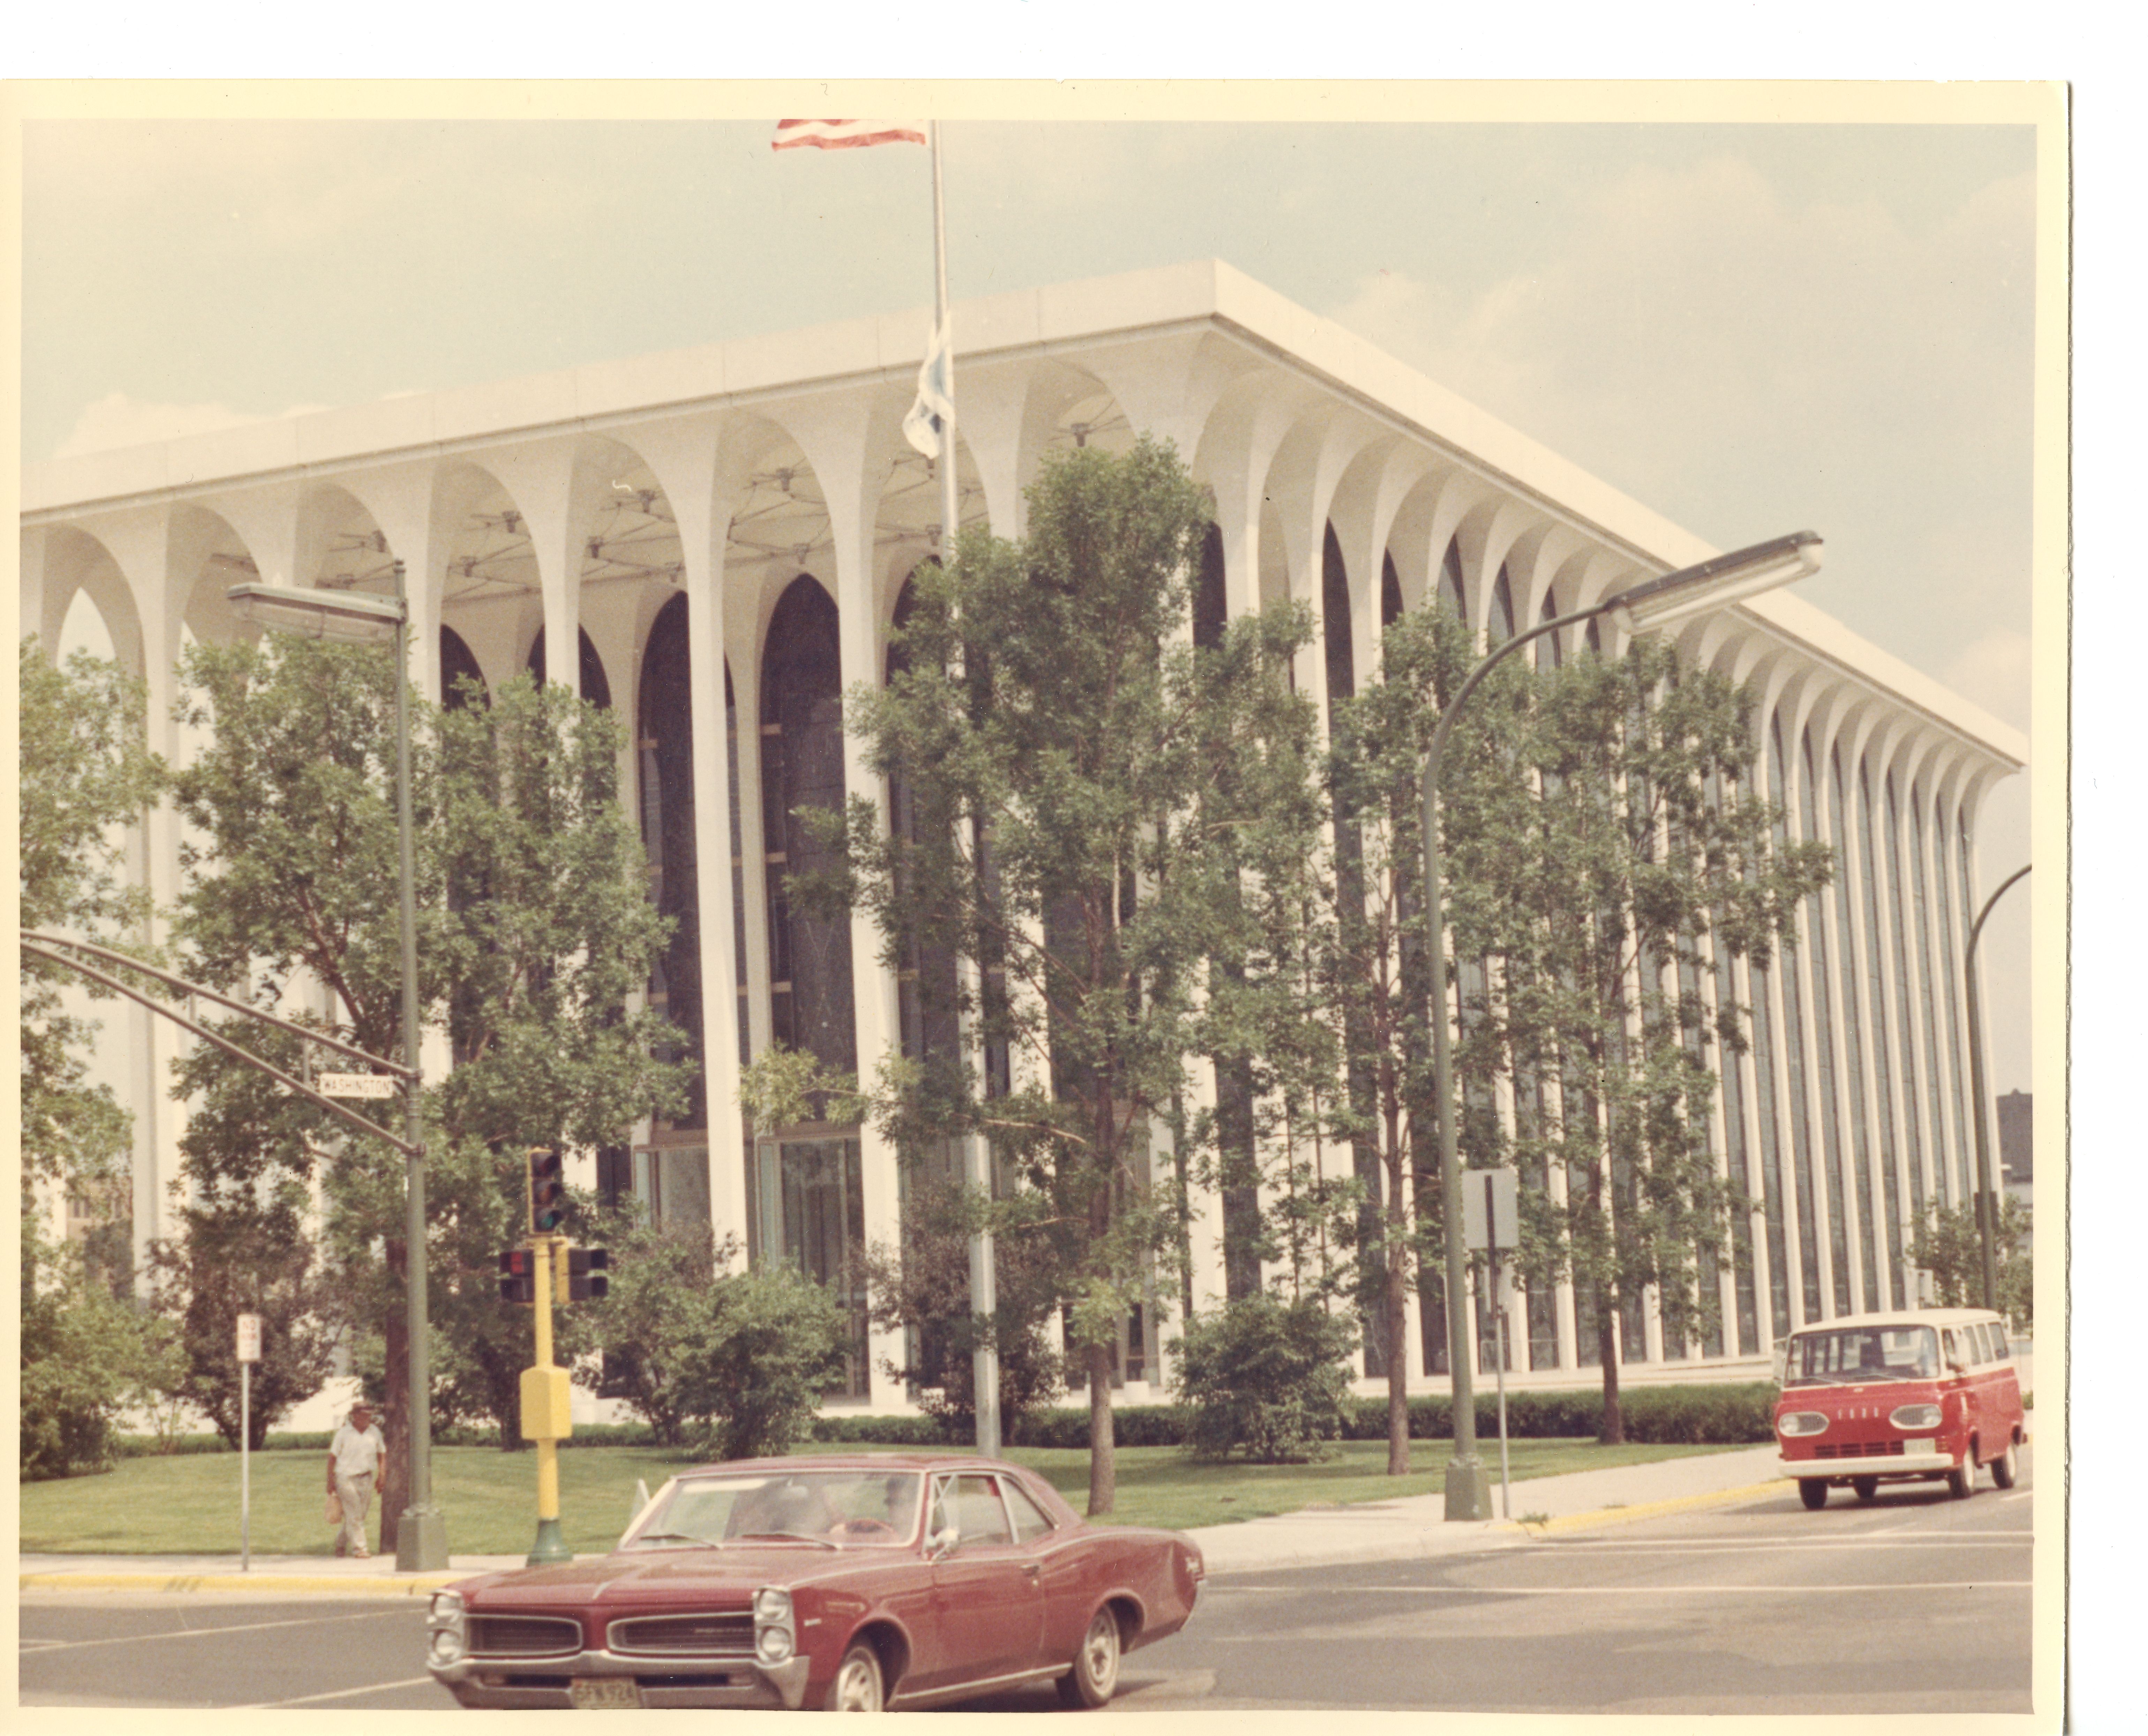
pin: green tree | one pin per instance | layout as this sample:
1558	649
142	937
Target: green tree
923	1288
1646	838
86	775
1088	793
535	931
1950	1245
1364	932
262	1261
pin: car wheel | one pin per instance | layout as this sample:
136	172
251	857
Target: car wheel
857	1685
1813	1492
2006	1467
1960	1482
1867	1488
1095	1676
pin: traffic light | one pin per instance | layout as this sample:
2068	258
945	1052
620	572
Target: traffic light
518	1280
548	1192
581	1274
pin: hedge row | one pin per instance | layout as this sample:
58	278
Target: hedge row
1694	1415
585	1434
1697	1416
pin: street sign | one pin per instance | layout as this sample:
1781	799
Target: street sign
1490	1196
249	1337
355	1084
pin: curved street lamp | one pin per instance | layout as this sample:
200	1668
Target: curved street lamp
1987	1191
1649	607
353	618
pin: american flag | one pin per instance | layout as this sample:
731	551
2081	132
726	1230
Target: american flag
842	135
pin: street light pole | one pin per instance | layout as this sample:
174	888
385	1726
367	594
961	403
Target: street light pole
1987	1195
421	1534
1646	607
421	1539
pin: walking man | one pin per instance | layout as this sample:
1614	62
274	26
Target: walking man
354	1457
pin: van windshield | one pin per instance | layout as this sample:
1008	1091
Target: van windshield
1861	1353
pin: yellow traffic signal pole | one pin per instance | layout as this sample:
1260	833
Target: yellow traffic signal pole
544	1414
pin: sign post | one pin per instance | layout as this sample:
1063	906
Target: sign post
249	1353
1491	1219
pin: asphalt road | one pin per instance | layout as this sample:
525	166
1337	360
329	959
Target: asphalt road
1914	1603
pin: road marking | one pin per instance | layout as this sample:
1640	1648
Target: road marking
341	1694
1737	1546
1833	1589
123	1639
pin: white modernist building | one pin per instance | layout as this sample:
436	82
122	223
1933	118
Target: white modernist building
724	533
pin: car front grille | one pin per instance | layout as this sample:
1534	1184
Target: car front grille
727	1635
1859	1449
523	1636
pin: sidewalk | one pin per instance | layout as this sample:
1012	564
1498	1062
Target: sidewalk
1318	1536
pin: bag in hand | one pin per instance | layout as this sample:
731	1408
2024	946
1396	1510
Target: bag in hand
334	1513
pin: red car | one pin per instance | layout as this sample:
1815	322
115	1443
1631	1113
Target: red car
1878	1398
852	1584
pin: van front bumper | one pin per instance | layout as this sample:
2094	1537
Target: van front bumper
1918	1457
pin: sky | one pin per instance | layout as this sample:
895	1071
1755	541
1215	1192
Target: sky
1751	328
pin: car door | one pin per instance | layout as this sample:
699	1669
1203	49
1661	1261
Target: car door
988	1608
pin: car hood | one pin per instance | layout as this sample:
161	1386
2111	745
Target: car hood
644	1576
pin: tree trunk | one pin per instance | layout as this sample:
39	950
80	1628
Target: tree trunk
394	1492
1103	1466
1614	1431
1393	1327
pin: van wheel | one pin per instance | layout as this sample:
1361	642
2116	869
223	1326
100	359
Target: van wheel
1813	1492
1961	1481
2004	1467
1867	1488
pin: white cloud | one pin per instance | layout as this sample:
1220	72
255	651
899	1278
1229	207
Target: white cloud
116	419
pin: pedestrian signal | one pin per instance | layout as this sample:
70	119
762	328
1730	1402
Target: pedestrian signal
581	1274
517	1277
548	1192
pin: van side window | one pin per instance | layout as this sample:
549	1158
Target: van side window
1955	1352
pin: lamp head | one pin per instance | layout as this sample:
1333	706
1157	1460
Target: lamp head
344	617
1655	603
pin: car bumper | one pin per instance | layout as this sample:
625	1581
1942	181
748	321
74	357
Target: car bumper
523	1684
1925	1457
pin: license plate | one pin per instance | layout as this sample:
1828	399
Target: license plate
605	1693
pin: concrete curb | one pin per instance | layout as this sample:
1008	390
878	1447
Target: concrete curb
282	1583
1648	1509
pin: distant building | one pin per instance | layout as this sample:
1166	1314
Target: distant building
717	542
2017	1148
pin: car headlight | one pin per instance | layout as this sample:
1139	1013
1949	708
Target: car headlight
774	1640
1801	1423
1914	1415
446	1630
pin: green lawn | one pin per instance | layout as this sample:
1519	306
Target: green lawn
189	1505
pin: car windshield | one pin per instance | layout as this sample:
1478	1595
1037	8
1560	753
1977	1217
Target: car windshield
852	1509
1862	1353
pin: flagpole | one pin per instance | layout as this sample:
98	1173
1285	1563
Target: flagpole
984	1299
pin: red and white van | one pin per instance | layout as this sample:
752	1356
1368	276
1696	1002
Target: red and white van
1874	1399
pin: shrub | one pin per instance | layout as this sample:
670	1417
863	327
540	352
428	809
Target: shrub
87	1355
1264	1380
772	1344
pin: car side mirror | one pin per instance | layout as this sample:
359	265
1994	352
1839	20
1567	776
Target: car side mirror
941	1541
